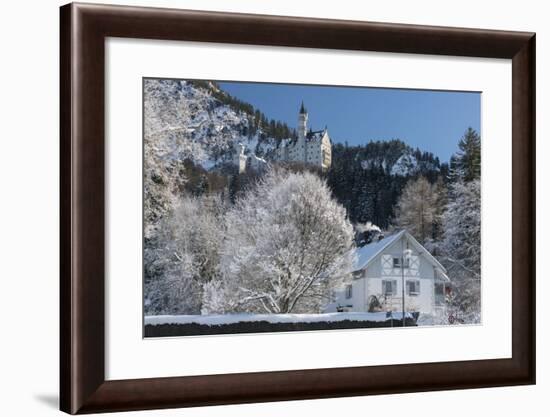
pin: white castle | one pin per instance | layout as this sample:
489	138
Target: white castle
311	147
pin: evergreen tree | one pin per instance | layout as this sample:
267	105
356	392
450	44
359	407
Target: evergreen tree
367	180
468	159
462	247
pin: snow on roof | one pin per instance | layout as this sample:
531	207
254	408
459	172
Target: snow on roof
316	135
286	142
442	275
365	254
368	252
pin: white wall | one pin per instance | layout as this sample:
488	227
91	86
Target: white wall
29	209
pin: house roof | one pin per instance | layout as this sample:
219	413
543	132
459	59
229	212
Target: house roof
317	135
311	136
366	254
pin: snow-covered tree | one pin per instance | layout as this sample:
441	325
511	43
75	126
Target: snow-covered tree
287	246
184	256
162	182
175	291
420	209
462	247
163	172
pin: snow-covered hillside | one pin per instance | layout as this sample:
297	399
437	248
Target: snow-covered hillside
406	165
185	121
196	121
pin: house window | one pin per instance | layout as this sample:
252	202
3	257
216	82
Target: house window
349	291
413	287
389	287
397	263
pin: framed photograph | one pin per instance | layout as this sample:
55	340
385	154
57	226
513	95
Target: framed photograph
251	225
263	208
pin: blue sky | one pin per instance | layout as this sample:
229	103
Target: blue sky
433	121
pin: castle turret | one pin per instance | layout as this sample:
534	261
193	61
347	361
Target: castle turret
241	158
302	125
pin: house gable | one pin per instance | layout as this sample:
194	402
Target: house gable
376	259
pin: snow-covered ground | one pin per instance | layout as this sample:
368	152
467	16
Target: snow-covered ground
219	319
432	320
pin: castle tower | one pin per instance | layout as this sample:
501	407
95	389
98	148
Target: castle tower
302	124
241	158
301	147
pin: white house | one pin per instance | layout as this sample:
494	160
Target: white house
386	266
309	147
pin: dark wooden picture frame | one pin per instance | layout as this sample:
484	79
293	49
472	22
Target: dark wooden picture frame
84	29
